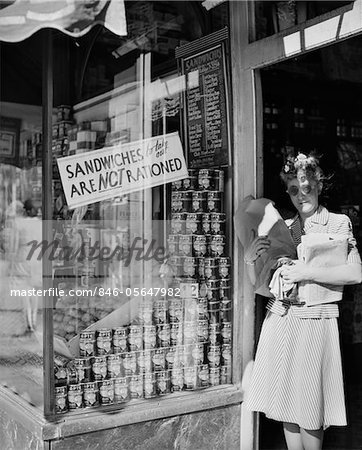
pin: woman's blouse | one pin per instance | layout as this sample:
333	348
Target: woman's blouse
322	221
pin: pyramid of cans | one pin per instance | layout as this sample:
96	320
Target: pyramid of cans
197	245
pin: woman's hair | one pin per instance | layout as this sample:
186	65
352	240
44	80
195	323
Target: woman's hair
307	165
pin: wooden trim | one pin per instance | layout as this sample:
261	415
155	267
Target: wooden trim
47	207
334	26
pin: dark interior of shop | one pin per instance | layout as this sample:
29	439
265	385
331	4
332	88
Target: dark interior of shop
313	103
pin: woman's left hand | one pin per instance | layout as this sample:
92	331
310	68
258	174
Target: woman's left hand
296	272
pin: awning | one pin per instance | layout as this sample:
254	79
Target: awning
19	19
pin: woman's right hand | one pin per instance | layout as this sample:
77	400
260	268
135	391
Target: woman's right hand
258	246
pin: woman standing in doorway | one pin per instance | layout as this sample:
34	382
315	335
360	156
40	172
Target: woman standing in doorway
297	376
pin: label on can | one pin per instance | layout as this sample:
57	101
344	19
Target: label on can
160	312
146	312
190	183
197	353
205	179
158	359
61	399
121	393
176	185
136	386
202	308
218	178
175	310
135	337
226	355
226	332
163	335
90	394
206	223
225	374
214	201
103	341
87	343
84	369
186	244
193	223
163	382
149	336
214	376
190	374
200	245
224	267
176	333
177	380
144	361
217	245
173	241
114	365
198	202
213	355
202	330
211	268
150	389
119	340
130	363
190	266
203	376
75	396
218	221
106	392
99	368
178	223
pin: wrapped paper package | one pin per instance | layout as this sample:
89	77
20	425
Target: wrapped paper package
259	217
321	250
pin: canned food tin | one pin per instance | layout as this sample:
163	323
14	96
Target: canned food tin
214	333
190	266
177	380
219	180
160	311
205	179
214	312
190	374
225	292
129	363
186	244
136	386
114	365
75	396
206	223
218	221
72	375
175	310
202	330
61	399
200	245
171	356
190	332
190	183
177	185
176	202
99	368
150	388
213	355
213	290
226	355
135	337
87	343
84	369
191	309
198	354
225	375
91	394
193	223
217	245
176	264
214	376
163	335
144	361
149	336
199	202
172	242
202	308
214	202
178	223
176	334
61	376
146	312
226	332
224	267
106	392
121	392
203	376
104	341
120	339
158	359
225	310
163	382
211	268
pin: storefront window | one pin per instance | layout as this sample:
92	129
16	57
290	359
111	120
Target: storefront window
140	256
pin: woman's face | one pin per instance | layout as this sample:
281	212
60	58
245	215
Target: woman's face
304	194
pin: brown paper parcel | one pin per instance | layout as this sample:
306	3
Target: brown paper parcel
259	217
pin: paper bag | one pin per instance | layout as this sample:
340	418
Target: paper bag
259	218
321	250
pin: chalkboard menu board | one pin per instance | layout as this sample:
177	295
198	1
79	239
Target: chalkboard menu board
206	103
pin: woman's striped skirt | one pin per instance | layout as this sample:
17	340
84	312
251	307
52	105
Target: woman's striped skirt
297	375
